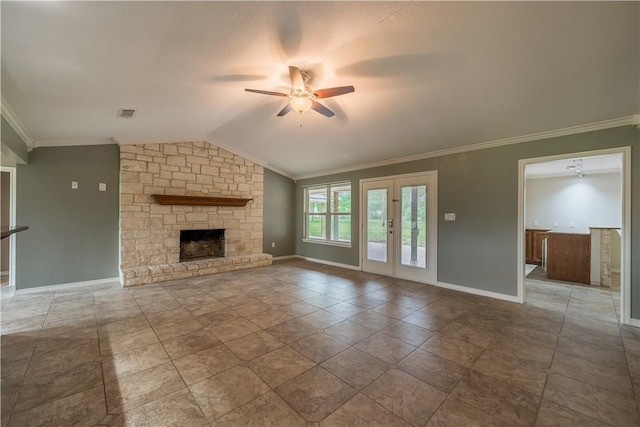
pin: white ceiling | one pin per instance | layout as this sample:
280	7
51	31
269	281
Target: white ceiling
428	75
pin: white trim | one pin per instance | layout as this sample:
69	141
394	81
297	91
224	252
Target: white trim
590	127
634	322
283	257
278	171
16	124
625	236
327	242
520	253
479	292
75	142
70	286
625	276
12	223
334	264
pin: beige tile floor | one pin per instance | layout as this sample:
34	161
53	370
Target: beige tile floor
299	343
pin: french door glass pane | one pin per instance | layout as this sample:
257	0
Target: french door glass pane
413	226
377	225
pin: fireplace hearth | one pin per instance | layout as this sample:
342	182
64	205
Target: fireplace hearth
201	244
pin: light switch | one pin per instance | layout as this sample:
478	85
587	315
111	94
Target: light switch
536	223
450	217
273	244
74	185
102	187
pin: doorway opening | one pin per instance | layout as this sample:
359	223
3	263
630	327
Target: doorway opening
399	226
574	225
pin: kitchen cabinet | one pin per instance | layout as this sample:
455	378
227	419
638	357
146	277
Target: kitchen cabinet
569	257
534	242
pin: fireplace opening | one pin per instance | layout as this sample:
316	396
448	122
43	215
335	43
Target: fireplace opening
199	244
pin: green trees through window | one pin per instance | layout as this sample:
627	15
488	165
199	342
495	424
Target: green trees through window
328	212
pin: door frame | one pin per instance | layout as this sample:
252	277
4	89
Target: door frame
12	223
625	268
434	224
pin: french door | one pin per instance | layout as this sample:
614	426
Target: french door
399	220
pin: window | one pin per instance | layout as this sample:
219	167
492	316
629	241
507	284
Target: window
327	213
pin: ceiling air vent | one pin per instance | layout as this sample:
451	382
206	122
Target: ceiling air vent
126	113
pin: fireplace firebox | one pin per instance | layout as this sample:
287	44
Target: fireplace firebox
201	244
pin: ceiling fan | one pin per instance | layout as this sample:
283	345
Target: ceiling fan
302	98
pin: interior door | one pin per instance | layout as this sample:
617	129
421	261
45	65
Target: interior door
399	226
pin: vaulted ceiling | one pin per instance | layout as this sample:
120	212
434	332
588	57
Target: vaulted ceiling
428	76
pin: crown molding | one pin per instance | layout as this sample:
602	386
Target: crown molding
143	141
16	124
605	124
74	142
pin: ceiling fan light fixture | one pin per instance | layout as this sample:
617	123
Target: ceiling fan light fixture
301	104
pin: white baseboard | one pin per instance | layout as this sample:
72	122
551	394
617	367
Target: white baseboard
334	264
479	292
634	322
74	285
283	257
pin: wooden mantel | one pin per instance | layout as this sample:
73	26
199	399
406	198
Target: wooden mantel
164	199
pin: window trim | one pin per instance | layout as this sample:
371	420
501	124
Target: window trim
328	215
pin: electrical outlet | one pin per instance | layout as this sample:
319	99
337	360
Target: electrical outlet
273	244
572	224
102	187
74	185
536	223
556	224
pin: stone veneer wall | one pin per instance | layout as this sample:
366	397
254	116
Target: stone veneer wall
150	233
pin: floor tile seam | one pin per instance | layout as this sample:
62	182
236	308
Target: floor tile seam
171	359
616	392
49	402
572	410
219	417
634	390
11	409
290	379
329	373
579	356
598	388
477	407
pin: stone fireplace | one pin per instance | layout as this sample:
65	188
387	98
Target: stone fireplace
150	232
201	244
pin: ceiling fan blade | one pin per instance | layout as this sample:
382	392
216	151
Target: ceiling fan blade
334	91
297	82
285	110
266	92
322	109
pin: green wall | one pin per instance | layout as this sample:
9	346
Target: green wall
278	216
73	234
479	249
13	143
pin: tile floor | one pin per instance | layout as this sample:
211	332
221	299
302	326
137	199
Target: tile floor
299	343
